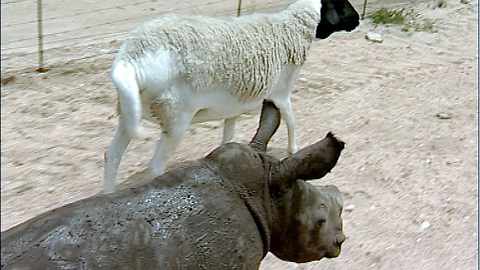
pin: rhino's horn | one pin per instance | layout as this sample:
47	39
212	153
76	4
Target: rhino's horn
269	122
312	162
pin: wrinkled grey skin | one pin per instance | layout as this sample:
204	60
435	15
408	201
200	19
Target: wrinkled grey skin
225	211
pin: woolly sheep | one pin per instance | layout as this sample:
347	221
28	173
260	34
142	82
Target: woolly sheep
225	211
181	69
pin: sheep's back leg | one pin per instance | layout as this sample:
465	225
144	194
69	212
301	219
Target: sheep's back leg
174	124
228	130
285	108
281	98
114	154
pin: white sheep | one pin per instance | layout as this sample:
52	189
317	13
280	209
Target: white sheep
182	69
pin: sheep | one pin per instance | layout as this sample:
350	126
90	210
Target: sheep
225	211
180	69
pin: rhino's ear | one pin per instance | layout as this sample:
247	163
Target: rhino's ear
312	162
269	122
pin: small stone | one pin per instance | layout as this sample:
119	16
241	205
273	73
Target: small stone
425	225
450	162
374	37
443	115
349	208
427	161
7	79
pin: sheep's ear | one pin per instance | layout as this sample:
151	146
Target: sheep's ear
269	122
332	16
309	163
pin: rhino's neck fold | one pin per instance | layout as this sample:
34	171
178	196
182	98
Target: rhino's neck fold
262	226
255	193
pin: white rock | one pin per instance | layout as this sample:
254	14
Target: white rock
349	208
374	37
425	225
443	115
427	161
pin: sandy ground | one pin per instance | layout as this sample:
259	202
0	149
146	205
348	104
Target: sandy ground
406	108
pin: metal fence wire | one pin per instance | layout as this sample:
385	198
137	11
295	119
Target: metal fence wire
38	33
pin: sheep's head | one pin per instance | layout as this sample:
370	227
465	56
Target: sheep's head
336	15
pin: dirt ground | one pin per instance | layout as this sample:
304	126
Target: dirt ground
406	108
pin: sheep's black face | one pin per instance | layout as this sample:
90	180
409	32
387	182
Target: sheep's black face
336	15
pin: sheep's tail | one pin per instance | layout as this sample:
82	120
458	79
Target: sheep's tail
130	106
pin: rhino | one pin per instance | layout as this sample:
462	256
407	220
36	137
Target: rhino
225	211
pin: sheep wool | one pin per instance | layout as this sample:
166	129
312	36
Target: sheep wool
243	55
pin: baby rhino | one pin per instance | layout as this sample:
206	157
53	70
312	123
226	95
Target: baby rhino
225	211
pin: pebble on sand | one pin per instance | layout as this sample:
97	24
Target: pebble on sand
374	37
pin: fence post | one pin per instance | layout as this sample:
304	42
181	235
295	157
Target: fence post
364	8
239	10
40	37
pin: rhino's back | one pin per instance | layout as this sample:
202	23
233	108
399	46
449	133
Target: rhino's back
181	224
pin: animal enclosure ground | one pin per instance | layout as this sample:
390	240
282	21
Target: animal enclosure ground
406	108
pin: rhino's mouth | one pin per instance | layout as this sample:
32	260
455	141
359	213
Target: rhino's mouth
333	252
335	249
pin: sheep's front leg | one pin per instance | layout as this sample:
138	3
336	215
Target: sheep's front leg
228	130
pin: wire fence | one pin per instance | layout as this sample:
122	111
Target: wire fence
79	30
79	27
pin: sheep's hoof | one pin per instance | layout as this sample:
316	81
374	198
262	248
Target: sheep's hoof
108	190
